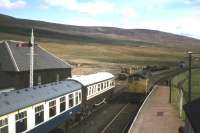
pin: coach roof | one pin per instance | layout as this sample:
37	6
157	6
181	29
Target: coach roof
93	78
19	99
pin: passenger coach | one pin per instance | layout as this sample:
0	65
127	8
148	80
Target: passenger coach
97	89
39	109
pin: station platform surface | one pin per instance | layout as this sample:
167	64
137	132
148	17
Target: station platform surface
157	115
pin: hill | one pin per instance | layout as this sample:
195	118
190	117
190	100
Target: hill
102	35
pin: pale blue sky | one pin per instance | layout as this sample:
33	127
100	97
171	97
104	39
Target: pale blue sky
175	16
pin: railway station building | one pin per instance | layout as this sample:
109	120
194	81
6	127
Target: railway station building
15	65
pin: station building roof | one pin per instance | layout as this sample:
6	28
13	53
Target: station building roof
192	111
15	56
93	78
19	99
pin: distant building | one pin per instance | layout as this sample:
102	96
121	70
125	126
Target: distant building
192	111
15	65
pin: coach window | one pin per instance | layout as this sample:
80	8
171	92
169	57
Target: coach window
102	86
80	98
113	83
52	108
89	91
92	89
71	100
99	87
4	125
39	114
62	104
21	122
76	98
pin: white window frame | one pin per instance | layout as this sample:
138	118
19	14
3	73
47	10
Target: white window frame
52	106
80	96
22	118
70	99
76	98
62	100
39	111
4	123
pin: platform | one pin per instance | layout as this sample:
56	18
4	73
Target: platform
157	115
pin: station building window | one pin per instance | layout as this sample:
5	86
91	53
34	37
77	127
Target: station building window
39	114
4	125
21	122
62	104
52	108
76	98
71	100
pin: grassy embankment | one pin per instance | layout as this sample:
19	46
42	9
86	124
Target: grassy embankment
195	87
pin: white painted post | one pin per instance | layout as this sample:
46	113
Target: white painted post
181	102
31	59
11	123
30	118
146	86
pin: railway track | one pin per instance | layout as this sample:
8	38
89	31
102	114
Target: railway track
113	117
122	118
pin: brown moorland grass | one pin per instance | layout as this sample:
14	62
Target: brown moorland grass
103	57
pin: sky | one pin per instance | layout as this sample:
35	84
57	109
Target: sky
175	16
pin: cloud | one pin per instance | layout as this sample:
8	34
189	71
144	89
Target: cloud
128	12
189	2
93	7
8	4
184	25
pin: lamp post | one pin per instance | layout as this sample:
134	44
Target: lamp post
189	76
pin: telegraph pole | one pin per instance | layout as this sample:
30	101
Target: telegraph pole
31	59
